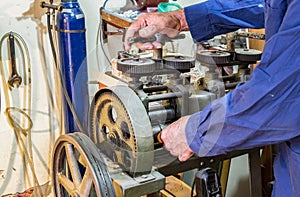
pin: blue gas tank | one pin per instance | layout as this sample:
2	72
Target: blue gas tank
73	64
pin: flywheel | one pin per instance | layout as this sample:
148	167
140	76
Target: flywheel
121	129
78	169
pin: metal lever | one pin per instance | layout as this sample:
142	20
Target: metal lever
15	78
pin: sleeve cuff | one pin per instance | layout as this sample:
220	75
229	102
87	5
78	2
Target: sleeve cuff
195	132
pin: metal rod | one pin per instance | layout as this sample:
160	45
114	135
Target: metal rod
51	6
155	89
159	97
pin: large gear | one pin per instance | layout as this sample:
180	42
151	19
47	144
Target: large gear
120	127
213	57
136	66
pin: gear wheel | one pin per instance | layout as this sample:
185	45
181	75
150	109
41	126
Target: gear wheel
136	66
122	130
248	55
181	63
213	57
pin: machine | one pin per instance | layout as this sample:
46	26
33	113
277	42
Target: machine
121	154
136	100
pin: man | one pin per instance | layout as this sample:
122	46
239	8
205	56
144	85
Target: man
262	111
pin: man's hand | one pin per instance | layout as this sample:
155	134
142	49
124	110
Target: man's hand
170	23
174	139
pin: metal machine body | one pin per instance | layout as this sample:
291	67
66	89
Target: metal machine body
140	97
151	93
136	100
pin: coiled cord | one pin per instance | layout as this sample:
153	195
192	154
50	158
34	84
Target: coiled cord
17	123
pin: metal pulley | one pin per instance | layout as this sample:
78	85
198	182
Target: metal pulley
136	66
213	57
78	169
249	55
181	63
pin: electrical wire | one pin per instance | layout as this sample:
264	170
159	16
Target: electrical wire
99	38
27	79
104	4
54	108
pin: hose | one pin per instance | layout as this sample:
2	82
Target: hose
50	36
18	129
13	121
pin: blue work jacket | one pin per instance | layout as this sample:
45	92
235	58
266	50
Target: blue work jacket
266	109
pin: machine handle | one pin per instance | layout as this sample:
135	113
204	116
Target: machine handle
159	138
162	38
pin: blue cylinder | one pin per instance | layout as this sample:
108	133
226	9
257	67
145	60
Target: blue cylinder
73	64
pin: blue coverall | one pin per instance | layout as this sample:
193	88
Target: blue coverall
266	109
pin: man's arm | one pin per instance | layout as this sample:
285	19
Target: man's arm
204	20
215	17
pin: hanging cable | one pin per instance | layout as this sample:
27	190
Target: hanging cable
17	123
99	41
